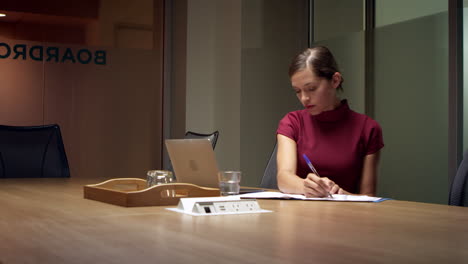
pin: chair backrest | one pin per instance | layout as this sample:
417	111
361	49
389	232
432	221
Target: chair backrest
32	152
458	188
213	137
269	175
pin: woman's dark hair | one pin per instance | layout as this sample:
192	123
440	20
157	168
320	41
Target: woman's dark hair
319	60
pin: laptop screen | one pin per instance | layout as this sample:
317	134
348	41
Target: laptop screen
193	161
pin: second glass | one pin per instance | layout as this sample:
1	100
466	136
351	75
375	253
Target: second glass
229	182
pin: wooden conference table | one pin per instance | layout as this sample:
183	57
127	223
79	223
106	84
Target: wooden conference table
49	221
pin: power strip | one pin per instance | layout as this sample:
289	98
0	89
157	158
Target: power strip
229	207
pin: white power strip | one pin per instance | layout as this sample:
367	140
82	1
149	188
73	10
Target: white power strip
229	206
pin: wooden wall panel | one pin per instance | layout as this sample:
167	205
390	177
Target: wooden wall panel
21	91
109	113
110	116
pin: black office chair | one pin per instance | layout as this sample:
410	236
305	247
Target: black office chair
32	152
213	137
269	175
458	189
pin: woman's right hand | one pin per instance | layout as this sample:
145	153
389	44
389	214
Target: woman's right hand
315	186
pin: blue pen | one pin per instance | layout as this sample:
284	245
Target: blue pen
312	168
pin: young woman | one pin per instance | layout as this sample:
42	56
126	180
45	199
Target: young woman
342	145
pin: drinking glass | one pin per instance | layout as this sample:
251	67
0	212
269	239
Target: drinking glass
229	182
157	177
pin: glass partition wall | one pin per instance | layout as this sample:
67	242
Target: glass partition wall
339	25
236	82
238	53
409	86
93	67
411	98
226	70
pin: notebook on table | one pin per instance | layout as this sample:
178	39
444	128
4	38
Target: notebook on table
194	161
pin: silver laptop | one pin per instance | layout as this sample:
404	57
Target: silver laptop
193	161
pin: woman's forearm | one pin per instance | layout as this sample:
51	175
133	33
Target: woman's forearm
290	183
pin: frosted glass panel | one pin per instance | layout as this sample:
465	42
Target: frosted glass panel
411	104
273	32
238	53
333	18
346	39
348	50
396	11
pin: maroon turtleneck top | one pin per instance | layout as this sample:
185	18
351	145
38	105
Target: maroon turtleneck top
336	142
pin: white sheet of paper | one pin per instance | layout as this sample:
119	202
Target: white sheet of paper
336	197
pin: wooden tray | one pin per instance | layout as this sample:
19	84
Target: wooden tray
132	192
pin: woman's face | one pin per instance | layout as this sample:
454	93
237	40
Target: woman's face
317	94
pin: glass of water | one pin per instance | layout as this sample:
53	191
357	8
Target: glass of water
157	177
229	182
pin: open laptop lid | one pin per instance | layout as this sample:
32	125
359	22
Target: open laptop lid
193	161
